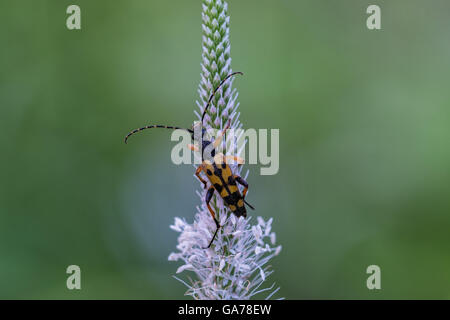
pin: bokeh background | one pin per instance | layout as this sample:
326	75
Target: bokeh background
364	151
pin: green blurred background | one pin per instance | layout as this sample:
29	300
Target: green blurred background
364	155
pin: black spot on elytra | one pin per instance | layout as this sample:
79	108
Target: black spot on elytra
240	211
208	172
228	199
224	165
218	187
231	181
218	172
231	199
236	195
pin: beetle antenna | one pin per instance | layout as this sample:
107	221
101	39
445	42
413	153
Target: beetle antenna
154	126
251	207
216	89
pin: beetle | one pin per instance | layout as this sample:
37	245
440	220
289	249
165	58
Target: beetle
214	166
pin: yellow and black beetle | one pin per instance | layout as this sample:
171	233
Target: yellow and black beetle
215	167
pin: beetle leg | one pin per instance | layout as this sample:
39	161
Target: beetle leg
197	173
234	159
193	147
245	184
208	198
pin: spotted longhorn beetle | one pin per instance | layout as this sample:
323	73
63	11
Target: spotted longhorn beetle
215	167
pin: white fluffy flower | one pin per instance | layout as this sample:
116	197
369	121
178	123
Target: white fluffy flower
236	265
